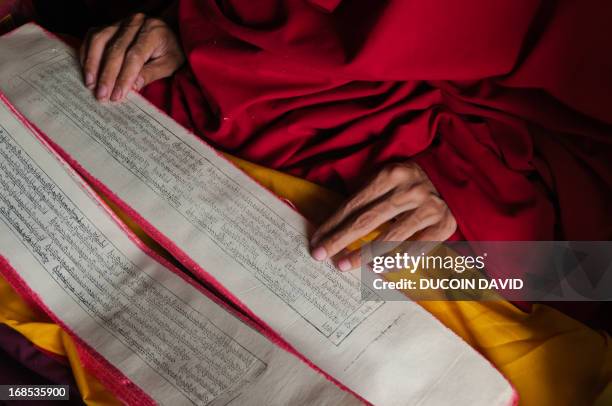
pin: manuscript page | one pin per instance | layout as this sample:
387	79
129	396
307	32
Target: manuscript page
162	333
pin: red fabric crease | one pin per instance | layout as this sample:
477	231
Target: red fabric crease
505	104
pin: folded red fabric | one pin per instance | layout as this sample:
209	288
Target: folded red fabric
504	104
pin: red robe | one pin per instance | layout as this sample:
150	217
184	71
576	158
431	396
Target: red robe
506	104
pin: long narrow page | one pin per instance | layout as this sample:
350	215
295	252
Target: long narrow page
243	238
159	331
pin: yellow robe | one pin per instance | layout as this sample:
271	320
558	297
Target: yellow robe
550	358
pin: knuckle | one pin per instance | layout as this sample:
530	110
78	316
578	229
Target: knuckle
418	218
134	56
435	217
153	21
379	185
427	214
416	171
395	234
147	27
397	172
437	203
136	18
114	48
364	219
387	208
400	197
420	193
432	213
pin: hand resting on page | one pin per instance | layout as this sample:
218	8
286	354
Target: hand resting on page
401	192
129	55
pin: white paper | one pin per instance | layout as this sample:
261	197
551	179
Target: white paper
162	333
248	240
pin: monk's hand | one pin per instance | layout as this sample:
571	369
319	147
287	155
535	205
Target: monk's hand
129	55
401	192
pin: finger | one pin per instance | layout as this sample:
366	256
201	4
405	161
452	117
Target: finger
148	47
426	215
426	239
92	51
423	241
351	260
157	69
399	201
433	216
84	47
87	79
386	180
134	61
439	232
115	54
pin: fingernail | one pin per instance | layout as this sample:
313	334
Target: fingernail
319	253
89	79
344	264
102	92
138	83
117	94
